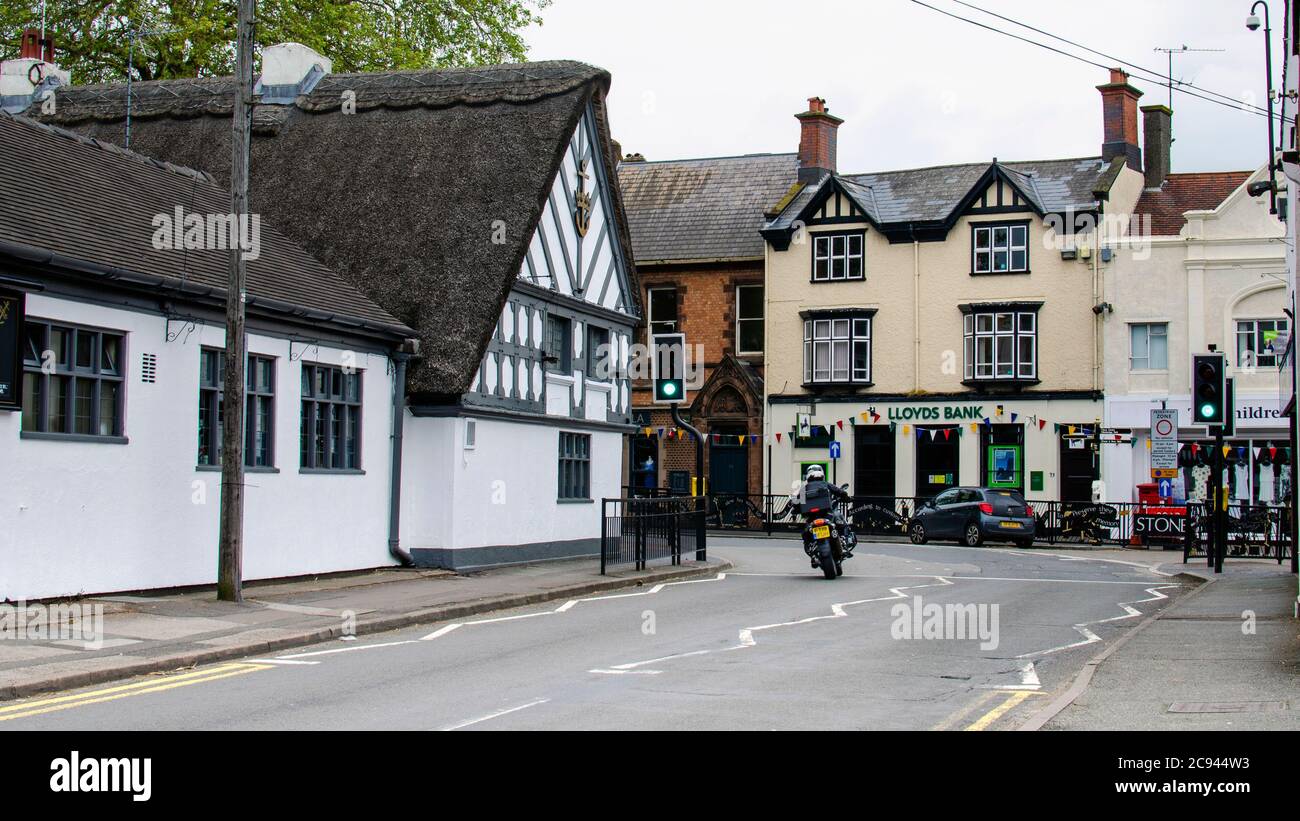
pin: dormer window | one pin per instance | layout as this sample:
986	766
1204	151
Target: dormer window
837	256
1001	248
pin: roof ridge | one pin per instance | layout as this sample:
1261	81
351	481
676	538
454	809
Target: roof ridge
757	155
111	148
982	164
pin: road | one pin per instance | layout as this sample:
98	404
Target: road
767	645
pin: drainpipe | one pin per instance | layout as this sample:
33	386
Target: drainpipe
400	358
916	313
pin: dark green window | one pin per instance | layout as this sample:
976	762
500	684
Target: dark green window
331	418
72	380
259	416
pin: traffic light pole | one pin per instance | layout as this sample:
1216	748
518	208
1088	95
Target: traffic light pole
1220	512
699	478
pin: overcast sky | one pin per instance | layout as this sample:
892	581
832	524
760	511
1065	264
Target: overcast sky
699	78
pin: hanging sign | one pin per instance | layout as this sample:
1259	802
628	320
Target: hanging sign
11	358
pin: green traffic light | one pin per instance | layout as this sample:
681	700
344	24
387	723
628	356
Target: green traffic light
1207	410
670	388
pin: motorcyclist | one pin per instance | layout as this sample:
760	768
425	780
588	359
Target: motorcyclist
820	495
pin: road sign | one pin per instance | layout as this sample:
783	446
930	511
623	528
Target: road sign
1164	439
1164	473
835	449
1166	488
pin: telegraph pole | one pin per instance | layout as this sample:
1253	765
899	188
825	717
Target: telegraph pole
230	557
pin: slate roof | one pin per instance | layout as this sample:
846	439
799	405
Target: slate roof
400	197
1186	192
931	194
706	209
93	203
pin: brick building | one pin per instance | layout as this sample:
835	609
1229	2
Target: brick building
695	235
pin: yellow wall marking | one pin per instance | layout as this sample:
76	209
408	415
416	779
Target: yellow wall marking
50	705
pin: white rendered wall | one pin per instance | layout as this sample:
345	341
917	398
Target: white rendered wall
80	517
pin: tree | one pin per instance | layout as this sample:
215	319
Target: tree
195	38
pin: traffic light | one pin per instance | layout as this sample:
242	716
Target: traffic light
1208	389
668	363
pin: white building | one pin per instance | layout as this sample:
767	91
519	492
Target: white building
480	207
110	385
1205	269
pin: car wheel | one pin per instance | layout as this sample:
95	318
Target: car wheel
917	533
973	537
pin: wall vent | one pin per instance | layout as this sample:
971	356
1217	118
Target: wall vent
149	367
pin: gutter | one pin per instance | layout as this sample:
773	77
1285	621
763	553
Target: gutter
400	358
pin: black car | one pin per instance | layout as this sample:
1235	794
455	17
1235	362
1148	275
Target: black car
973	515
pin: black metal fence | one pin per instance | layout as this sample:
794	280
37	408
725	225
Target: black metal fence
1254	531
649	529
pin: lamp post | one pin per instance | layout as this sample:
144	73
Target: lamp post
1252	23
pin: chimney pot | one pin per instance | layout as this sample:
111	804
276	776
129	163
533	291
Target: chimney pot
817	141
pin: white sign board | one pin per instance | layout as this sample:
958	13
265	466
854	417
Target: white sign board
1164	439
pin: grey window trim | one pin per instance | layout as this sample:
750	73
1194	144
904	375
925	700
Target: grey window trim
564	365
211	398
592	353
312	404
573	473
71	371
73	437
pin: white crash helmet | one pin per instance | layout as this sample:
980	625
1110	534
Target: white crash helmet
815	473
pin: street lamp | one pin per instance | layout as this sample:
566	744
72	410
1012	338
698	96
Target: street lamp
1252	23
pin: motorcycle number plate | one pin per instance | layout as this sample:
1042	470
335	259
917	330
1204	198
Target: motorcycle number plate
823	532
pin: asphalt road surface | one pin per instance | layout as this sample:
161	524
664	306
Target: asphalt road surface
768	645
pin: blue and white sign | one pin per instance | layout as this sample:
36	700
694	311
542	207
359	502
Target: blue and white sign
835	450
1166	488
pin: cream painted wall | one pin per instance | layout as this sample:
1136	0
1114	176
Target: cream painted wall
1227	264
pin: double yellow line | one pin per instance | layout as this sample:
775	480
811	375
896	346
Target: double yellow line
1014	698
38	707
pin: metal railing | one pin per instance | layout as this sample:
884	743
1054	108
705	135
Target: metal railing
651	529
1254	531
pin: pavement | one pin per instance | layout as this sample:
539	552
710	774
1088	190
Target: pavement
169	631
1226	657
763	643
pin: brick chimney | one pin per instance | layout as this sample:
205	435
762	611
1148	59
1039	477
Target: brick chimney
816	141
1119	120
1157	137
33	47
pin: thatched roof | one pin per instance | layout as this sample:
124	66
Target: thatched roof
401	197
89	206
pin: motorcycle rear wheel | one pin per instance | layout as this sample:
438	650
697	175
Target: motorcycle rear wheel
826	560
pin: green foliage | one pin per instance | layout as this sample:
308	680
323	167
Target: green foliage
195	38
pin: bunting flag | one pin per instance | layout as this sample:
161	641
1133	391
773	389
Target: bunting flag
907	429
999	410
1042	423
892	426
840	423
863	415
1070	428
778	438
1226	450
1272	452
934	434
974	427
1013	416
1148	441
946	433
740	439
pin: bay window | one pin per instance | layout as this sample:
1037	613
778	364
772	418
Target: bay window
1000	342
837	347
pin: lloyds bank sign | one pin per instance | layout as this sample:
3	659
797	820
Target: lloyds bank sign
935	413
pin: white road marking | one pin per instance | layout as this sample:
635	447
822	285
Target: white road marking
345	649
1028	681
497	714
281	661
1090	637
627	672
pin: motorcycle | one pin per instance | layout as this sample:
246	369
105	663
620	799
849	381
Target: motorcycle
829	543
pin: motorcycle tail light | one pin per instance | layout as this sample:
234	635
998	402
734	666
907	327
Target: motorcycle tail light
986	508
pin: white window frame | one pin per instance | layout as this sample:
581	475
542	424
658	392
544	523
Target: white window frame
1249	328
829	248
761	319
836	340
1000	345
649	312
1012	244
1133	357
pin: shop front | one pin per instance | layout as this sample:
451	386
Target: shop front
919	447
1256	457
